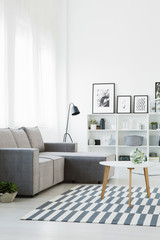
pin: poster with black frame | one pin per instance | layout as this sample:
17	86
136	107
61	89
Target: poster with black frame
103	98
124	104
140	104
157	90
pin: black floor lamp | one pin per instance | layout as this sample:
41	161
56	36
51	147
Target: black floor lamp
74	112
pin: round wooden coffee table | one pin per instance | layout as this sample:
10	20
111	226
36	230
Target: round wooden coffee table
130	166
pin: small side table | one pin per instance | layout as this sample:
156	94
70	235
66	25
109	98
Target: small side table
129	165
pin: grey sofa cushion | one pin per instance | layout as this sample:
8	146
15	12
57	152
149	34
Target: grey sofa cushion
20	138
35	138
6	139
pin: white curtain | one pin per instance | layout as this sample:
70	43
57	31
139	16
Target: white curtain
27	65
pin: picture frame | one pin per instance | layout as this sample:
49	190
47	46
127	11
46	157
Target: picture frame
157	90
124	104
103	98
140	104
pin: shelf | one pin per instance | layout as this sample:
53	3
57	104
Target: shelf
150	146
102	114
132	130
102	130
125	146
114	127
156	130
132	114
98	146
154	113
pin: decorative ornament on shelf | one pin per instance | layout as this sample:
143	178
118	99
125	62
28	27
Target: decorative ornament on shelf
102	123
137	156
93	124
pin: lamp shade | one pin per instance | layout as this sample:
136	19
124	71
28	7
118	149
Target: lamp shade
75	110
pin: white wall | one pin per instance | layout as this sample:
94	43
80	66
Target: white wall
114	41
61	66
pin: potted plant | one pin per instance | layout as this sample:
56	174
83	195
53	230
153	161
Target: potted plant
8	191
154	125
93	124
137	156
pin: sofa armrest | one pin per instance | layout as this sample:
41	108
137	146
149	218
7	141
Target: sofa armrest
21	166
61	147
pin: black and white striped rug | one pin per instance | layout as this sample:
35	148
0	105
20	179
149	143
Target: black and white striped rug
83	203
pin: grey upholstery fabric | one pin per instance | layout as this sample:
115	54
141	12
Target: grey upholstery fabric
20	138
33	172
21	166
58	167
61	147
35	138
46	173
83	167
6	139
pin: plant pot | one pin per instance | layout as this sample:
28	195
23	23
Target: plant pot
154	126
8	197
93	126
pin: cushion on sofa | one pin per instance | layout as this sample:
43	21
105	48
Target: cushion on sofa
6	139
46	173
58	167
35	138
21	138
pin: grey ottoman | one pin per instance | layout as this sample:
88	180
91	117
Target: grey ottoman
85	168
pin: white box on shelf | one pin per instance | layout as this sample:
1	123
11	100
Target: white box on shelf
155	159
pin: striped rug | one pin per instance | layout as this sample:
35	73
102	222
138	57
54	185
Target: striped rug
83	204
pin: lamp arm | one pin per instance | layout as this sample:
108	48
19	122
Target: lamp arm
65	135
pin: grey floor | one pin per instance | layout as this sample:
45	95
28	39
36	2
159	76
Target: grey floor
11	227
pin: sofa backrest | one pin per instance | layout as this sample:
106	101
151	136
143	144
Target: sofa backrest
6	139
35	138
20	138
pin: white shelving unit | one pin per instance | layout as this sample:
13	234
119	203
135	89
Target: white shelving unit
118	126
154	135
103	135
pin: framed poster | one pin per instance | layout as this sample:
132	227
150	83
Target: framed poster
140	104
124	104
157	90
103	98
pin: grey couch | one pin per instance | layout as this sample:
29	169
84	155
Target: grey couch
34	165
